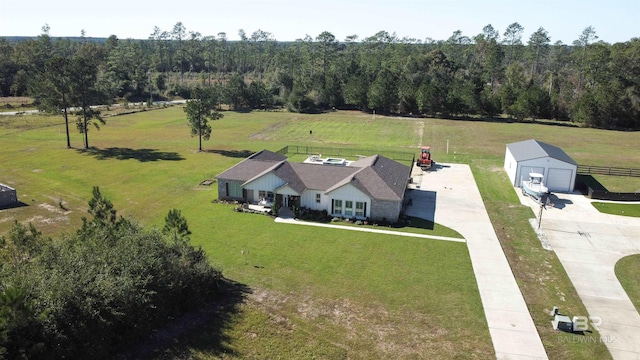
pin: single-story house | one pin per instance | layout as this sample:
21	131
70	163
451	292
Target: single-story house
533	156
372	187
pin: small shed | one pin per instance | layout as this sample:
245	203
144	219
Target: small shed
8	196
533	156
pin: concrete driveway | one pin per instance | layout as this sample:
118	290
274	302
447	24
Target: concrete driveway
588	244
449	196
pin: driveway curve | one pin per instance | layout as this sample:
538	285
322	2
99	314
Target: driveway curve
589	244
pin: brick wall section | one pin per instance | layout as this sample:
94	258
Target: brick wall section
8	195
385	210
222	190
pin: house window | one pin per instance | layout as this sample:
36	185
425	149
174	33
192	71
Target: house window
318	198
337	206
265	195
235	190
348	208
360	208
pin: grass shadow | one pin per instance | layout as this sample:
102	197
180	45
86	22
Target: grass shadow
232	153
18	204
203	329
142	155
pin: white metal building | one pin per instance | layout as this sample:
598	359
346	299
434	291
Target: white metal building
524	157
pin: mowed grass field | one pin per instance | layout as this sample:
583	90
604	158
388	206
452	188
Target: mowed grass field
314	293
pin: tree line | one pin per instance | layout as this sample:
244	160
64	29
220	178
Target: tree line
589	82
98	290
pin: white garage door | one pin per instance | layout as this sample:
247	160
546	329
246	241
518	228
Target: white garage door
525	170
559	179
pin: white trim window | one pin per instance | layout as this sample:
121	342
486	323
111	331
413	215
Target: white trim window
337	206
360	208
318	198
348	208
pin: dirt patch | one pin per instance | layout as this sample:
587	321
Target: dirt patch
384	333
4	219
39	219
419	131
48	207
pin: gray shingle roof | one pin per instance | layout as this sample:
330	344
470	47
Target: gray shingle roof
321	177
376	176
534	149
254	165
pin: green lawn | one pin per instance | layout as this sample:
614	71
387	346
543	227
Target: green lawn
627	273
632	210
329	294
315	291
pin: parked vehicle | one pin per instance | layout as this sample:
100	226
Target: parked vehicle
535	188
424	160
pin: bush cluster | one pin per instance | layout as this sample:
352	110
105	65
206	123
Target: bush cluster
102	288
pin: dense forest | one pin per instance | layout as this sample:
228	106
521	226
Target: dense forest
589	82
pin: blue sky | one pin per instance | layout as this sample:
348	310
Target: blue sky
564	20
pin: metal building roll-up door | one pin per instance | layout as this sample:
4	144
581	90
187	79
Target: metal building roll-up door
559	180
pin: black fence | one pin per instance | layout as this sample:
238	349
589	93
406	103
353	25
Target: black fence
615	196
592	189
604	170
325	151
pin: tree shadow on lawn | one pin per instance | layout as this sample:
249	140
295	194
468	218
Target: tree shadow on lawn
232	153
142	155
203	329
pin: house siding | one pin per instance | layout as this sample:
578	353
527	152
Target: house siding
346	193
286	190
308	200
267	182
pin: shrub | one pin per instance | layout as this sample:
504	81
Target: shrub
96	291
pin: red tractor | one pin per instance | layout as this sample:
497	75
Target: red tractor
424	161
